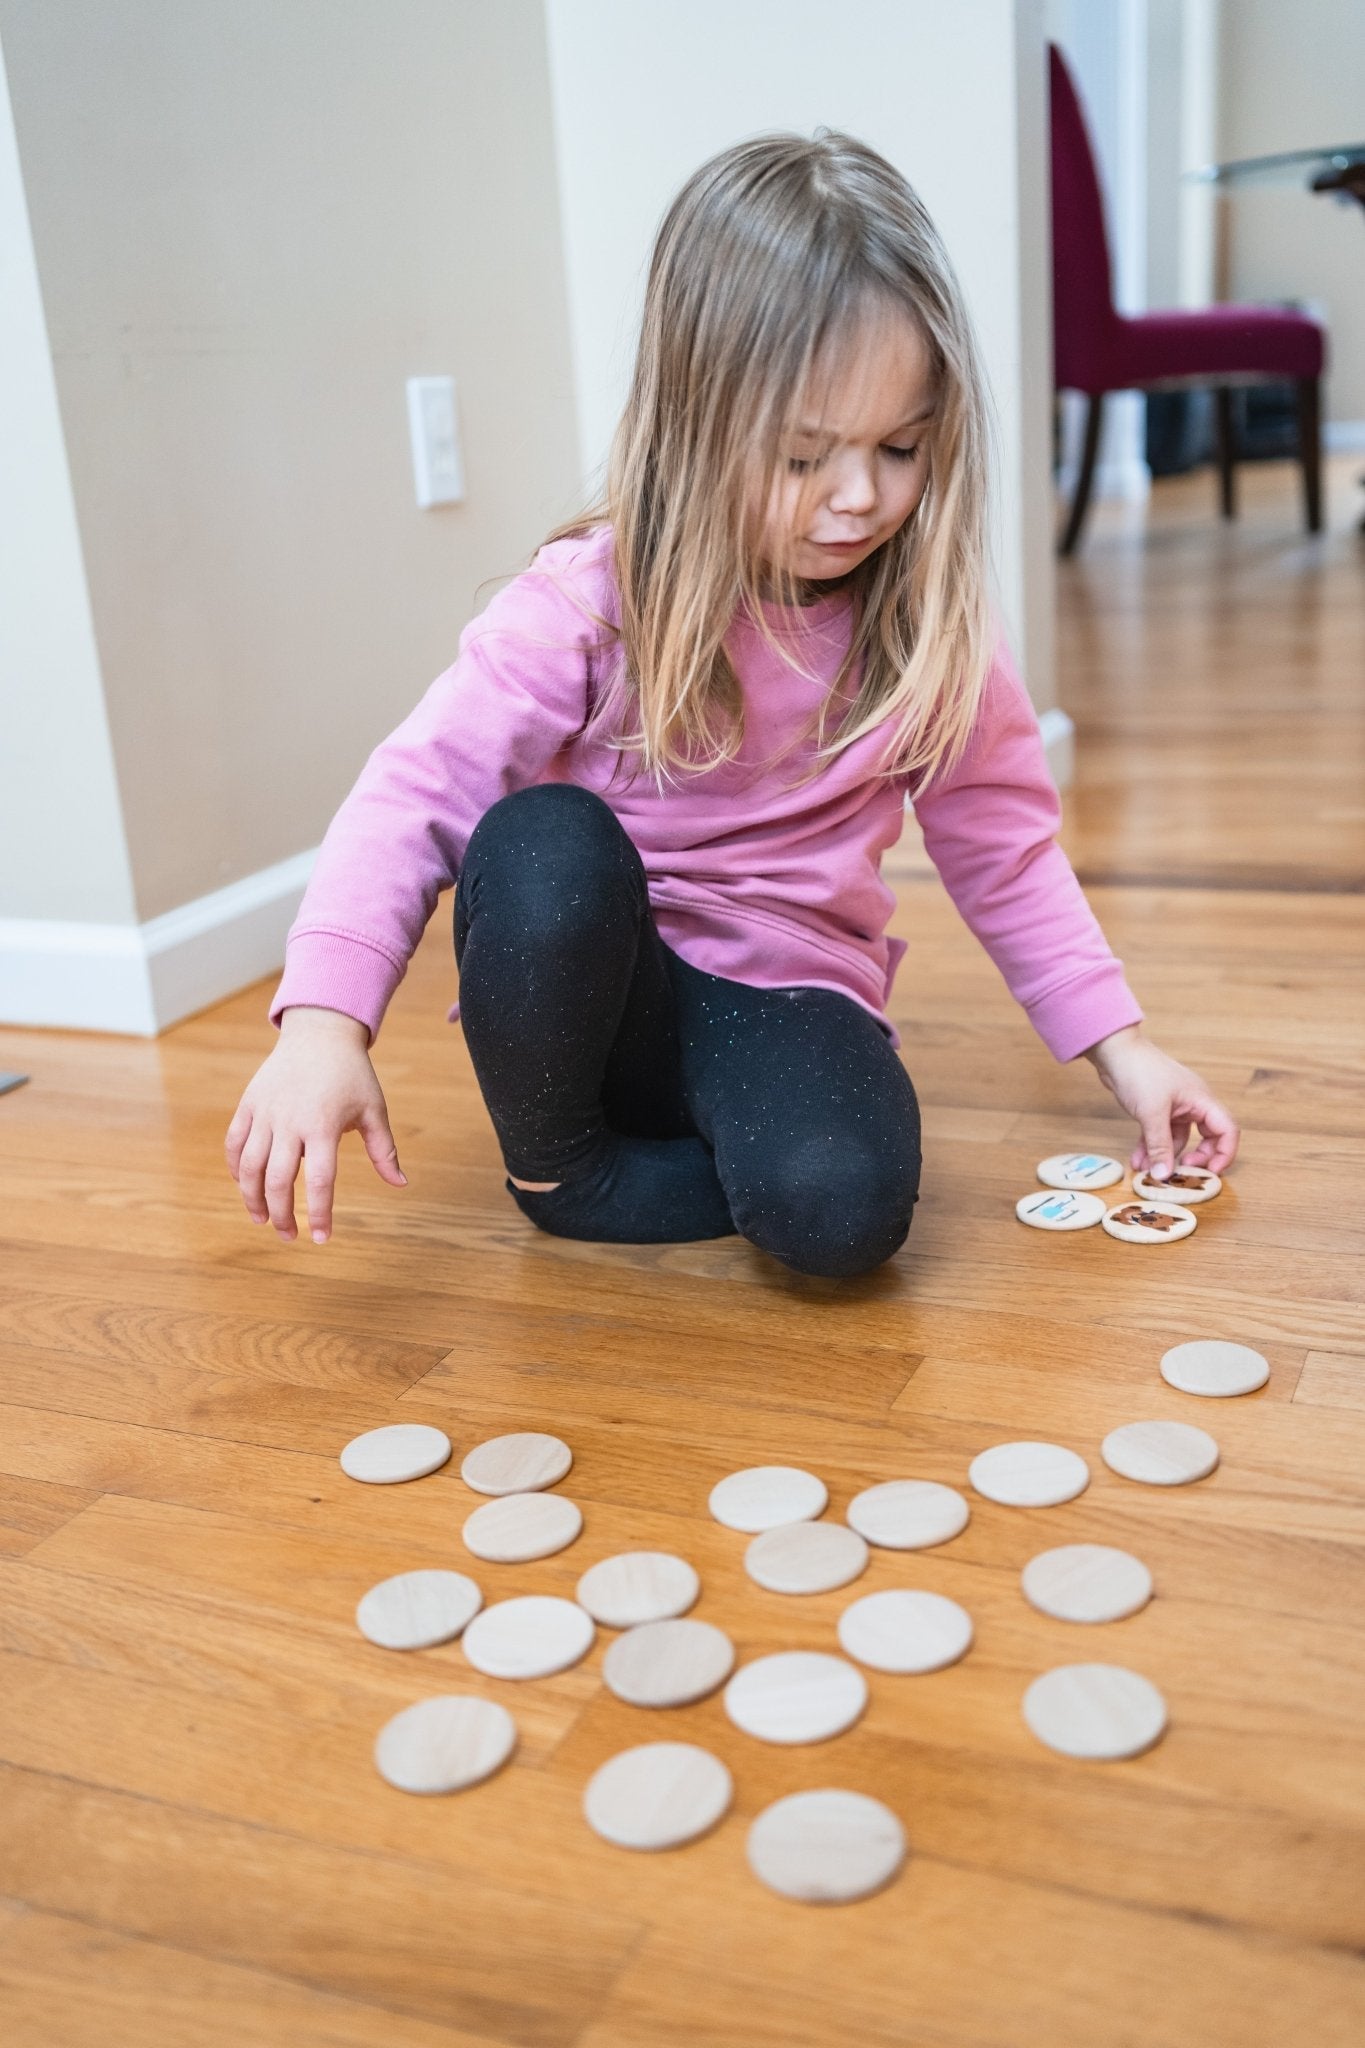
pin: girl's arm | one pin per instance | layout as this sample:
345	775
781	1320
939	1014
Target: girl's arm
990	828
490	725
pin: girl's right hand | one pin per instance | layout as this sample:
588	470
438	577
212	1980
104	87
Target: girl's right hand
316	1085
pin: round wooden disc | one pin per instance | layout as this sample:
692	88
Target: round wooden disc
444	1744
1079	1170
1095	1710
522	1526
806	1557
909	1514
658	1796
796	1696
638	1586
766	1496
521	1463
904	1631
668	1663
1059	1209
1187	1185
402	1450
413	1610
1215	1369
826	1847
1086	1582
1160	1453
529	1637
1150	1222
1029	1475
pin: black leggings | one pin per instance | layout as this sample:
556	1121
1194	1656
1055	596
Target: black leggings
670	1104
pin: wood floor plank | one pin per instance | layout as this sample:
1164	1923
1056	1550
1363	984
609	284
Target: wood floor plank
64	1982
388	1931
30	1509
1332	1379
1164	1982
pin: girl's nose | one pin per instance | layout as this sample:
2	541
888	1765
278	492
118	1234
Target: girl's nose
853	489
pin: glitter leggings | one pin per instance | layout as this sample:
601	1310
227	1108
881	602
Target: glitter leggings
669	1104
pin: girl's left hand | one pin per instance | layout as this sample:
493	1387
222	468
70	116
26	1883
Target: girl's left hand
1168	1101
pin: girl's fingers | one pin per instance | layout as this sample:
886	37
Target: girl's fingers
1221	1136
280	1175
1156	1140
378	1142
251	1174
238	1131
320	1174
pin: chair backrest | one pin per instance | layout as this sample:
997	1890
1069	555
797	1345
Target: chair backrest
1082	290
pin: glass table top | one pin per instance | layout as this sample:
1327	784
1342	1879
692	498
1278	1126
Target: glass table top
1289	167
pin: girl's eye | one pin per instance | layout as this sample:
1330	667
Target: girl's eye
800	464
904	454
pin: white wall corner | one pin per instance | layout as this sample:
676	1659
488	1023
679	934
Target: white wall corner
1059	745
139	979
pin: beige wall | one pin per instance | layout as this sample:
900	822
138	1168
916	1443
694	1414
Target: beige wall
1293	77
252	223
62	847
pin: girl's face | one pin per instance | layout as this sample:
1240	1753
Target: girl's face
854	459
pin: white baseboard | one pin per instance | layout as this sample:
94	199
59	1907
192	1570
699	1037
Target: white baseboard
1059	744
138	979
1344	437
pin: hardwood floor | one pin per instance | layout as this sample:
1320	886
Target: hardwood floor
195	1850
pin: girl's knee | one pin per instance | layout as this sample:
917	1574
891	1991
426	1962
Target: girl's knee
829	1216
554	858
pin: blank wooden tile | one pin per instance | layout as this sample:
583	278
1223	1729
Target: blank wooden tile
1029	1475
1214	1369
766	1496
806	1557
529	1637
638	1586
521	1463
399	1451
414	1610
905	1630
1160	1453
1087	1582
658	1796
909	1514
522	1526
444	1744
1098	1711
826	1847
796	1696
668	1663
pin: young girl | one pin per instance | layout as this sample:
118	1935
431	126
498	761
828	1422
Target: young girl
667	761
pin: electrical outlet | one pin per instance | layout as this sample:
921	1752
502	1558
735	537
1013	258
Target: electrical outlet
437	471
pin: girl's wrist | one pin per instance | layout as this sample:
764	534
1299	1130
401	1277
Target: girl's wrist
302	1017
1104	1050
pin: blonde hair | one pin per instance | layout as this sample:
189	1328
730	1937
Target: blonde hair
772	253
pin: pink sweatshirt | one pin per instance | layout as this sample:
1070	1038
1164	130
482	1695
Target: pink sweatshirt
752	874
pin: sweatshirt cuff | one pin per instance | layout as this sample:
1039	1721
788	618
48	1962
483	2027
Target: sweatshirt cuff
1071	1019
332	971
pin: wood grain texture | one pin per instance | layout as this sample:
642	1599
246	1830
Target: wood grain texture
197	1848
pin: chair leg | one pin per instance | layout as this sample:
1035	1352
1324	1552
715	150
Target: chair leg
1310	450
1225	443
1085	476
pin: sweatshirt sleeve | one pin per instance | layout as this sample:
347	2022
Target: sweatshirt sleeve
989	827
492	723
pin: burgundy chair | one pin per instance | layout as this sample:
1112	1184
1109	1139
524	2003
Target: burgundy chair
1099	349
